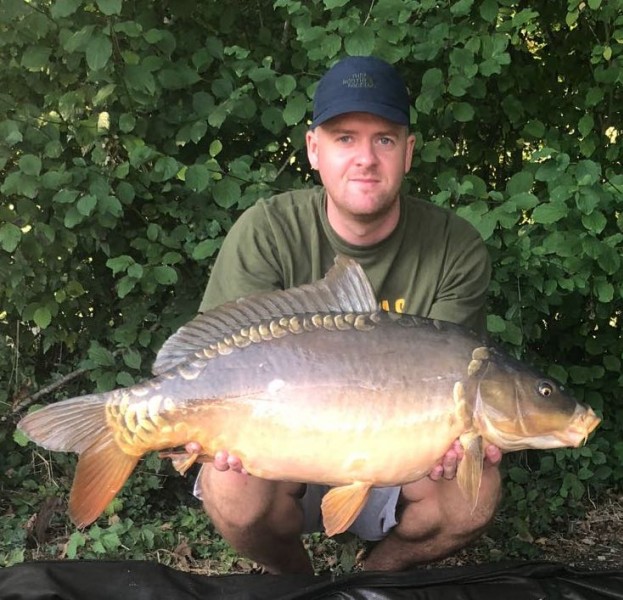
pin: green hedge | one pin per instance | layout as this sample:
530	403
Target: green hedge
133	133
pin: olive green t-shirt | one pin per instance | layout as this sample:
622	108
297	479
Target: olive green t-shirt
434	264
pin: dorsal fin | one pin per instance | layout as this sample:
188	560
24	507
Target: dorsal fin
344	289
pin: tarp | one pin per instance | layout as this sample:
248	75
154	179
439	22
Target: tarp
141	580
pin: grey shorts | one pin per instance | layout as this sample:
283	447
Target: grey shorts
373	523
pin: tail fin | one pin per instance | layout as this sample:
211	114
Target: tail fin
79	425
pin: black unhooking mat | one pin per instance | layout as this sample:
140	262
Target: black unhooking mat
138	580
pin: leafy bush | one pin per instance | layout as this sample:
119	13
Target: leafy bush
133	134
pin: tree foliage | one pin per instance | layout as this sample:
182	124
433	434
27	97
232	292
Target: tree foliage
133	133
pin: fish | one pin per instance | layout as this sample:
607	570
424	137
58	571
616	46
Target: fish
314	384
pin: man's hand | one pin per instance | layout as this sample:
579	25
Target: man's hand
223	461
449	464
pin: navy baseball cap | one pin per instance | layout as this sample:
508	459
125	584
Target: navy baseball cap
361	84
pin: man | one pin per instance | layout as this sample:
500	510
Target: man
421	259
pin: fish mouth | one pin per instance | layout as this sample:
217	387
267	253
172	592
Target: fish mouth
583	422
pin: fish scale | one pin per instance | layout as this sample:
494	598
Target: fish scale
314	384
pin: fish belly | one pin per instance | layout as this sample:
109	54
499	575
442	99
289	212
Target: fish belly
333	437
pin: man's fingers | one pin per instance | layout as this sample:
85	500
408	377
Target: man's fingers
223	461
450	463
493	454
193	448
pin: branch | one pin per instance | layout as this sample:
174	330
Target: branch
21	404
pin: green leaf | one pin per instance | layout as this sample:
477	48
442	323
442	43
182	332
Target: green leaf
330	4
64	8
587	200
165	168
198	131
72	217
10	236
42	317
588	172
20	184
206	248
127	122
285	85
295	110
216	146
461	8
559	373
110	7
227	192
124	379
76	540
593	97
119	264
165	275
534	128
520	182
135	271
132	359
612	363
104	93
30	164
10	133
463	112
171	258
110	205
549	212
519	475
458	85
432	78
86	204
523	201
140	79
98	52
586	124
604	291
178	78
125	286
360	42
595	221
272	119
198	177
495	324
489	10
609	259
36	58
20	438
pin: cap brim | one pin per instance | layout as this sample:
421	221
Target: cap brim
380	110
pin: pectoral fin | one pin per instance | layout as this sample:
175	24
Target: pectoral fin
342	505
469	473
182	461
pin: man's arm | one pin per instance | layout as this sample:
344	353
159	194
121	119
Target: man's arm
463	289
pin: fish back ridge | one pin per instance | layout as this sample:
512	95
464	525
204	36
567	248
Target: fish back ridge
344	289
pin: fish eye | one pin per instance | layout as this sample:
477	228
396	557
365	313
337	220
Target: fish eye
546	389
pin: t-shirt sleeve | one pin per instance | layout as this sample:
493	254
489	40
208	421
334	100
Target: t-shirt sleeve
247	262
462	293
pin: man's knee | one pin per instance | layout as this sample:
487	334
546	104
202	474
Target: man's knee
438	508
236	501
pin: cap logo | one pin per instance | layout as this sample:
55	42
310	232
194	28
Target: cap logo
359	80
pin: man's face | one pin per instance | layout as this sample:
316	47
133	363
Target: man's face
361	159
